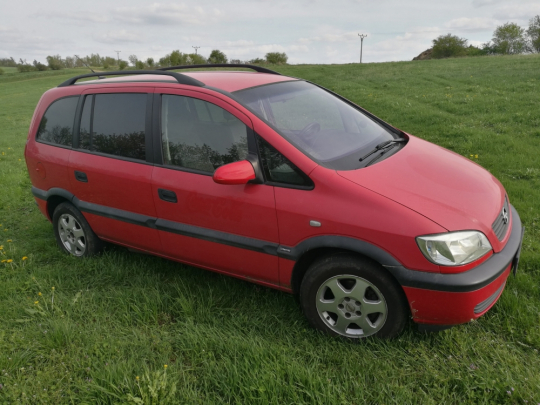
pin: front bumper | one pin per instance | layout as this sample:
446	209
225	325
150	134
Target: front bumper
451	299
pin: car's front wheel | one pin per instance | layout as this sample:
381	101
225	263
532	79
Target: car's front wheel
73	233
353	297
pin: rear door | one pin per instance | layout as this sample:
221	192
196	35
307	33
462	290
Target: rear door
110	167
229	228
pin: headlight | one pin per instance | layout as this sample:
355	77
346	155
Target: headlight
454	248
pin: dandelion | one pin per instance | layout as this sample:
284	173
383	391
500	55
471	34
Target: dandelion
476	156
24	258
9	240
53	288
3	261
1	247
165	366
9	260
36	302
471	156
39	294
137	378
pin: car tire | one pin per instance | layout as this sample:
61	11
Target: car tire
73	233
354	297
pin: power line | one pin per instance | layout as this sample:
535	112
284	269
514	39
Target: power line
118	56
196	48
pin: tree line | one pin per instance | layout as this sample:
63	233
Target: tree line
175	58
508	39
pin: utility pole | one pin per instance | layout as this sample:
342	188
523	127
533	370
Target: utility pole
118	56
362	36
195	47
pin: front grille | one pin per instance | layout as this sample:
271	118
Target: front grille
486	303
500	226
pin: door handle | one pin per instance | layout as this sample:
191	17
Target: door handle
80	176
167	195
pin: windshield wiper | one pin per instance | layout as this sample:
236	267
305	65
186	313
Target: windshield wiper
381	146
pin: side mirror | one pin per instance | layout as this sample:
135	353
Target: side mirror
234	173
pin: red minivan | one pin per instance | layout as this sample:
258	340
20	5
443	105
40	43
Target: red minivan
278	181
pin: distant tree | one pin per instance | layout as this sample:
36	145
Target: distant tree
109	61
69	62
133	59
509	39
177	58
533	34
257	61
150	62
196	59
39	66
236	61
449	46
139	65
22	66
216	56
276	58
8	62
472	50
55	62
122	65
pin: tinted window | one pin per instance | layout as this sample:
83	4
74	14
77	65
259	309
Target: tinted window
114	124
200	135
56	126
278	169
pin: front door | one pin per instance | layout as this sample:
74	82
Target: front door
228	228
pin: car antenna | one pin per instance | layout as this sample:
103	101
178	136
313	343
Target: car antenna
84	63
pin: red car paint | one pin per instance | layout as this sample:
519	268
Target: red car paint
422	189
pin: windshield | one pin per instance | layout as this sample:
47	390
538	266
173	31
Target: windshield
330	131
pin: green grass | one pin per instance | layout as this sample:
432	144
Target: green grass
125	315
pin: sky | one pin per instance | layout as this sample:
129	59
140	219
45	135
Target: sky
308	31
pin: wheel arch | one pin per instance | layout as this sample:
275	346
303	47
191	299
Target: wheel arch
54	197
310	250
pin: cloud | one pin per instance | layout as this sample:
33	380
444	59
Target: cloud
471	24
167	14
74	17
482	3
14	42
120	36
520	12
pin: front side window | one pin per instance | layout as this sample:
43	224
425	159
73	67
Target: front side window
327	129
114	124
199	135
56	126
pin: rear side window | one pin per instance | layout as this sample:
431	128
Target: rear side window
56	126
114	124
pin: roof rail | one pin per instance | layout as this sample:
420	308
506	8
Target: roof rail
229	65
180	78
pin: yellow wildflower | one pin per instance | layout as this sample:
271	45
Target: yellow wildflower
9	240
3	261
9	260
165	367
36	302
476	156
471	156
53	288
24	258
1	247
137	378
39	294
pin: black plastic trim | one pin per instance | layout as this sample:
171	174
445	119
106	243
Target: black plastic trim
148	129
180	78
471	280
210	235
224	238
225	65
481	307
340	242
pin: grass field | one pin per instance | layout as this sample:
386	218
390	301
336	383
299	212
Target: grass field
117	328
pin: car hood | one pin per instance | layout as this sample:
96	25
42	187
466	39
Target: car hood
439	184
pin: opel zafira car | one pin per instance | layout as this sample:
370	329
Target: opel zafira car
278	181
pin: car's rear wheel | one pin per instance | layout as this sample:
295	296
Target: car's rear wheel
73	233
348	296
